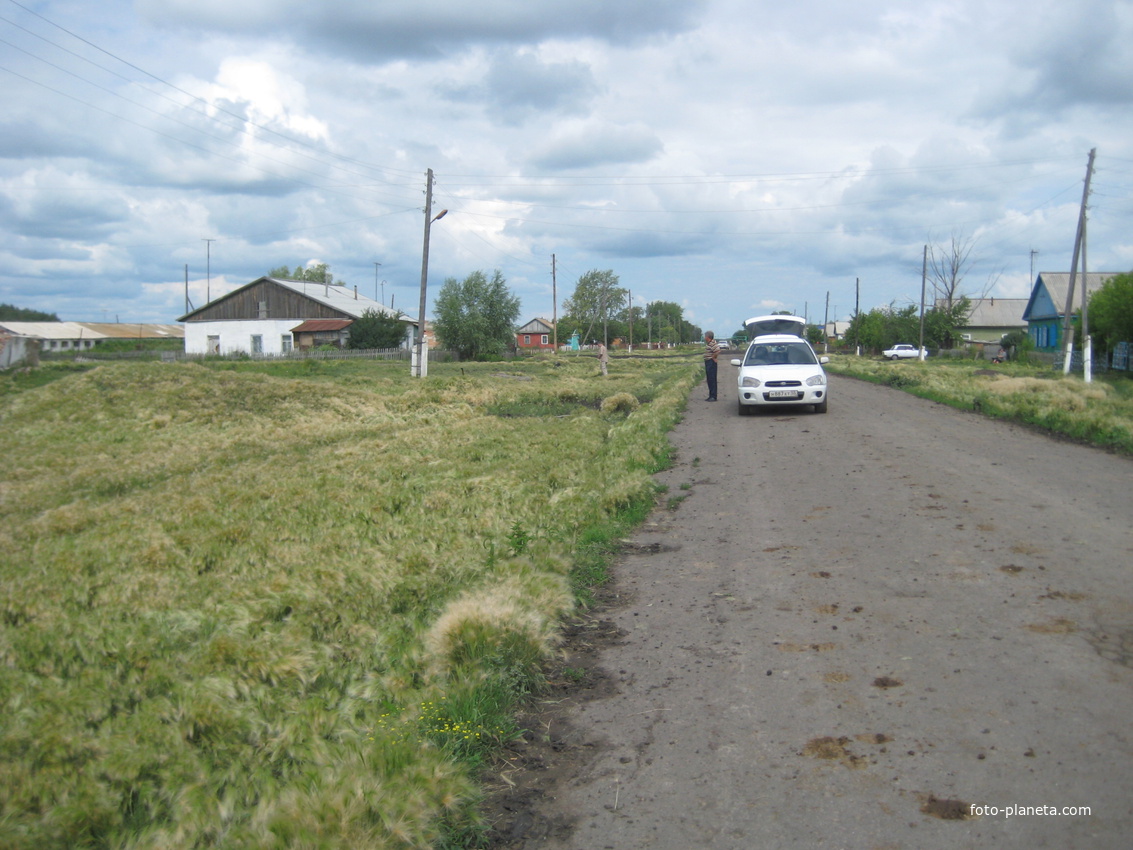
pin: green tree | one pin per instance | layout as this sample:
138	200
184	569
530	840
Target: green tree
884	327
476	317
942	322
12	313
1111	311
669	323
318	273
375	329
598	302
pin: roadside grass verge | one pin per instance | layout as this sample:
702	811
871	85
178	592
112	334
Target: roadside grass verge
296	604
1099	413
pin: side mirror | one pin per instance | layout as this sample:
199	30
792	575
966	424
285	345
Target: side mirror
824	359
736	362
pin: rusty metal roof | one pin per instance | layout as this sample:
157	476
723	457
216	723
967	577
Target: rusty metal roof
321	325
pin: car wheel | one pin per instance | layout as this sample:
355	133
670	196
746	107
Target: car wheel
821	406
894	357
745	409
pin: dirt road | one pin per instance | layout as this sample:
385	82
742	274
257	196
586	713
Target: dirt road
853	628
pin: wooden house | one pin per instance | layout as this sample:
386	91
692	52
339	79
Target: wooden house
274	315
990	319
1046	307
536	335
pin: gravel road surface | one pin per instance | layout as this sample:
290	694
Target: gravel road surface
852	629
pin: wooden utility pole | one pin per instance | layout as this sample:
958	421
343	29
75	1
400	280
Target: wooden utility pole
857	322
825	322
1087	343
1067	324
924	278
422	366
605	324
630	291
554	306
208	269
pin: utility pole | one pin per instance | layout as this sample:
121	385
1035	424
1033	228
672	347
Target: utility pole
857	322
1033	253
630	319
1067	325
825	322
605	323
422	365
554	306
924	278
376	284
208	269
1087	343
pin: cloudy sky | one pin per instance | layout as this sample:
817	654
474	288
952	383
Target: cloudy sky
734	156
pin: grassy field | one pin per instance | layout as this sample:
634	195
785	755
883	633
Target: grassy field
1100	413
291	605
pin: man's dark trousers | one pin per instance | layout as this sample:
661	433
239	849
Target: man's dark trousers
710	375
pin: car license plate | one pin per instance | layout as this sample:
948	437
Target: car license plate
783	394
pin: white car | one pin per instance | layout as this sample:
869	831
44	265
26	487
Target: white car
900	352
781	370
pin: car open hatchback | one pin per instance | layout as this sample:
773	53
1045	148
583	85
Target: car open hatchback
781	370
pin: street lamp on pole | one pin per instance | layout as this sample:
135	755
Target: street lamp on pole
421	367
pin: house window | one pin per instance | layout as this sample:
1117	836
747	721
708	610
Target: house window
285	343
257	344
527	339
544	339
214	344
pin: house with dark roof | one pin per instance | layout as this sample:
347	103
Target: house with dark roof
1046	308
275	315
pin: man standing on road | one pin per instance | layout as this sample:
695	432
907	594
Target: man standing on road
711	354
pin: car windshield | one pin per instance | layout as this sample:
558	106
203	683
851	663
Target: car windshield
780	353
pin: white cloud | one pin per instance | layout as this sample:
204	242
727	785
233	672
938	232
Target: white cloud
726	153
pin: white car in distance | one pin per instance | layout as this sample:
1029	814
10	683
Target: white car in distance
781	370
901	352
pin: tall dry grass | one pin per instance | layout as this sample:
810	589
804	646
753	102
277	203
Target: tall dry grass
1100	412
260	606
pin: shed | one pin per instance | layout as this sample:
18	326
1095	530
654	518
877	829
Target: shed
315	332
